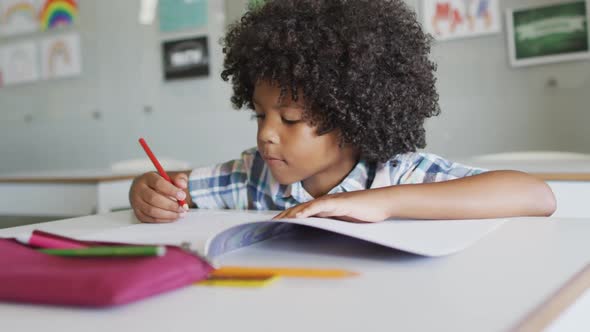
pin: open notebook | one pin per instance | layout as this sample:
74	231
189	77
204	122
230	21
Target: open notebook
214	232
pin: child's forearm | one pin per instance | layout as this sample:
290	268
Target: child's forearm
489	195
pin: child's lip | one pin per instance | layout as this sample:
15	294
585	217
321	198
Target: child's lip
266	156
272	158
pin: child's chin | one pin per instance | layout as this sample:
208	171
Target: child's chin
284	180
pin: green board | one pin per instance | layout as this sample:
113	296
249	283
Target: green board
552	30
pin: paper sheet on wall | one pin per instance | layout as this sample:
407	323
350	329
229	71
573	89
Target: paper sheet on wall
450	19
18	17
20	63
177	15
57	13
60	56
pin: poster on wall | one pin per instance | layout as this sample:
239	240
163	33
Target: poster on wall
547	34
177	15
185	58
18	17
60	56
452	19
58	13
19	63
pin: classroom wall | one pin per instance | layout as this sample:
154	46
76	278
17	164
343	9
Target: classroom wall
488	106
94	120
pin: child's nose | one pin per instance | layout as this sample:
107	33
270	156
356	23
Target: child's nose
267	133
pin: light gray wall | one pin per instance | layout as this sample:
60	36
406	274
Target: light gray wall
191	119
487	106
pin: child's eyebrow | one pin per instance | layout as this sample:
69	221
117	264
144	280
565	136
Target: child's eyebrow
281	104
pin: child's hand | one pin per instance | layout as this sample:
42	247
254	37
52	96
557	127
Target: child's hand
355	206
154	199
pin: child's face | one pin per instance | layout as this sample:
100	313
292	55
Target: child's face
292	149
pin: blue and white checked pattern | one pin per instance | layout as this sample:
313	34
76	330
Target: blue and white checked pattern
247	183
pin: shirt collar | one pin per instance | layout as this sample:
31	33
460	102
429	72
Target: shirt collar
355	180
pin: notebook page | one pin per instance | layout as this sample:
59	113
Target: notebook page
422	237
196	228
214	232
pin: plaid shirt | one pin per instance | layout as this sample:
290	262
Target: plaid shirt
247	183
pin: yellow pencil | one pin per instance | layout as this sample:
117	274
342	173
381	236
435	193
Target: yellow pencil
242	283
239	271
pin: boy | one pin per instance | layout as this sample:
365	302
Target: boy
340	91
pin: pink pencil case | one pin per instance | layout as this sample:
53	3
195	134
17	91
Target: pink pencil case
27	275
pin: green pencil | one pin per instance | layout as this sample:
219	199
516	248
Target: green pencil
108	251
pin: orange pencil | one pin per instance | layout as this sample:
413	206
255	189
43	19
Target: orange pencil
250	272
159	167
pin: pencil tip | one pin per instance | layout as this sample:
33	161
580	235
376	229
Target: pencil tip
185	207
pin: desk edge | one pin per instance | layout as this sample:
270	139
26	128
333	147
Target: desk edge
543	315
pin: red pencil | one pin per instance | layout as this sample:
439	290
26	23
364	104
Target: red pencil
159	167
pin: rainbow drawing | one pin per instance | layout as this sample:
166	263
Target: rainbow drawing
56	13
58	50
24	9
61	56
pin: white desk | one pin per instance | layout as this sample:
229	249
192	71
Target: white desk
63	193
569	180
506	280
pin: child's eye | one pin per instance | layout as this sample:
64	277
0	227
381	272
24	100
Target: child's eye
289	122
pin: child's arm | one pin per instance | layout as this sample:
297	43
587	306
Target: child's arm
489	195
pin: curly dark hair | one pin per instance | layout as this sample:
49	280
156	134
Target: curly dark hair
361	66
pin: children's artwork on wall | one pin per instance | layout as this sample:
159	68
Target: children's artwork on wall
550	33
60	56
18	17
185	58
177	15
58	13
451	19
20	63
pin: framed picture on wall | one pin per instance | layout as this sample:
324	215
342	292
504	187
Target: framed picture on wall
548	34
185	58
452	19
